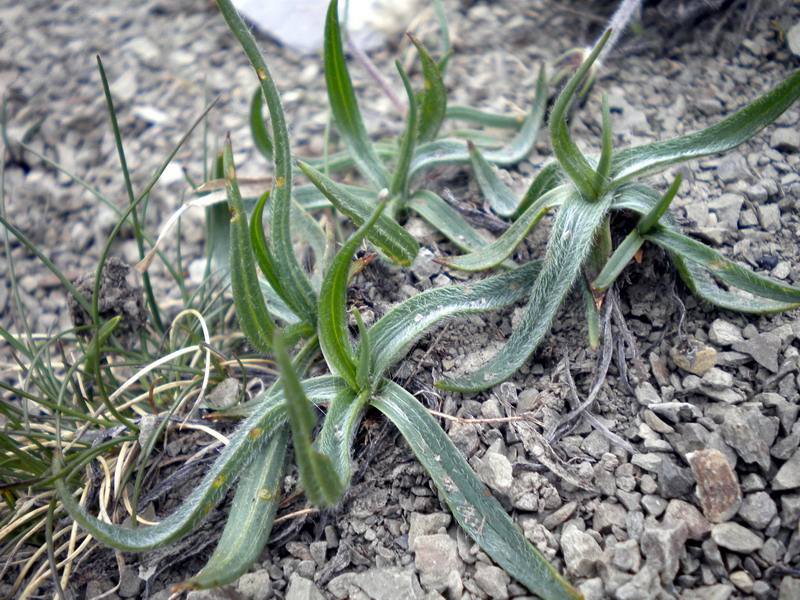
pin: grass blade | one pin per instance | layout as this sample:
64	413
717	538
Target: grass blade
617	262
250	519
335	440
502	200
474	507
484	117
334	337
569	246
394	333
344	105
394	241
251	310
433	99
572	161
723	136
504	246
321	482
549	177
604	162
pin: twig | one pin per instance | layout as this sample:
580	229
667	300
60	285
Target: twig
527	417
362	57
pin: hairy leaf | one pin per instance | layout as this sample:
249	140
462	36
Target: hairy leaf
502	200
433	100
474	507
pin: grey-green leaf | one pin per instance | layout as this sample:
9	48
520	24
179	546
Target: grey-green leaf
474	507
723	136
569	246
344	105
250	519
433	99
394	333
502	200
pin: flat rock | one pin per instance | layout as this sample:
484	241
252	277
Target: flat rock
763	348
717	485
698	527
750	434
644	585
790	586
494	470
437	560
301	588
426	524
646	394
662	544
718	591
758	510
733	536
788	476
390	583
785	139
608	514
693	356
581	551
492	580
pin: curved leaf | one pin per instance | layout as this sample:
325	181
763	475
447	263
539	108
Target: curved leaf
251	310
474	507
569	246
267	416
504	246
334	338
447	220
723	136
400	175
502	200
294	281
433	100
484	117
394	333
258	128
344	105
572	161
549	177
387	234
321	482
251	516
335	440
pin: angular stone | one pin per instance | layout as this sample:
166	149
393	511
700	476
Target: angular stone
790	509
495	470
581	551
389	583
717	379
717	485
742	580
676	412
627	556
559	516
693	356
733	536
763	348
698	527
788	476
718	591
758	510
746	432
492	580
437	560
303	589
426	524
646	394
663	547
606	515
790	586
724	333
673	481
256	585
644	585
785	139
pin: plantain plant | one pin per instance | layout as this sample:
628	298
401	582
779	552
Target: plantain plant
587	191
289	312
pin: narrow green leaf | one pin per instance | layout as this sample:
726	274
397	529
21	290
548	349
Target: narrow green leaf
572	161
433	99
363	353
703	285
447	220
334	338
474	507
549	177
723	136
335	440
592	314
344	105
504	246
251	310
446	151
388	235
442	18
258	128
321	482
570	243
261	248
723	268
604	163
484	117
251	516
400	175
294	281
502	200
394	333
276	304
654	215
618	261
